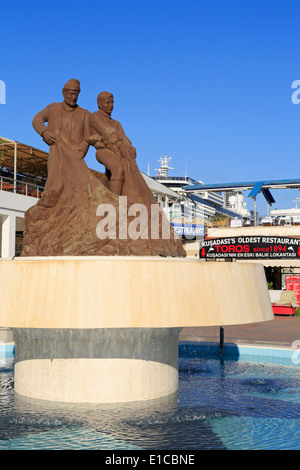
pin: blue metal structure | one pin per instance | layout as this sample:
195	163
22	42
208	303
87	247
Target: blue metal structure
222	210
255	187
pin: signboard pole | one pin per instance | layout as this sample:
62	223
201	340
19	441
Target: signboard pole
221	340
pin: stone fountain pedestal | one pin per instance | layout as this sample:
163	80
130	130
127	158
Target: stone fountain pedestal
96	365
105	329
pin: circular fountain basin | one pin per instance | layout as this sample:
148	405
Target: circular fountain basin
105	329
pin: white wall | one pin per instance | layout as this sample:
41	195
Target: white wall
12	211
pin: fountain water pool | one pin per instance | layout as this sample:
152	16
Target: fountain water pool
221	403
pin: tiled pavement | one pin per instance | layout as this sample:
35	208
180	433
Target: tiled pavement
282	331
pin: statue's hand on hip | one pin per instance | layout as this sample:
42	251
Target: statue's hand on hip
49	137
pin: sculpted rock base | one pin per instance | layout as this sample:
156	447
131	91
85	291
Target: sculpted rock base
64	220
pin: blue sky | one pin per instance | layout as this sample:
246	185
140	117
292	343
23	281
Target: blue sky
207	82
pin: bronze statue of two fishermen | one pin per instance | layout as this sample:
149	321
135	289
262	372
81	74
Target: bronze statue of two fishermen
64	220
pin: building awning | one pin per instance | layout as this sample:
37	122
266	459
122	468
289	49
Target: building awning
22	158
19	158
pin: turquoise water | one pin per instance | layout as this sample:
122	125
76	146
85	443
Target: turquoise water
220	404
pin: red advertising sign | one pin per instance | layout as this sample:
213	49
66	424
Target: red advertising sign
293	283
250	248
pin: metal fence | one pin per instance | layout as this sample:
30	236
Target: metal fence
20	187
